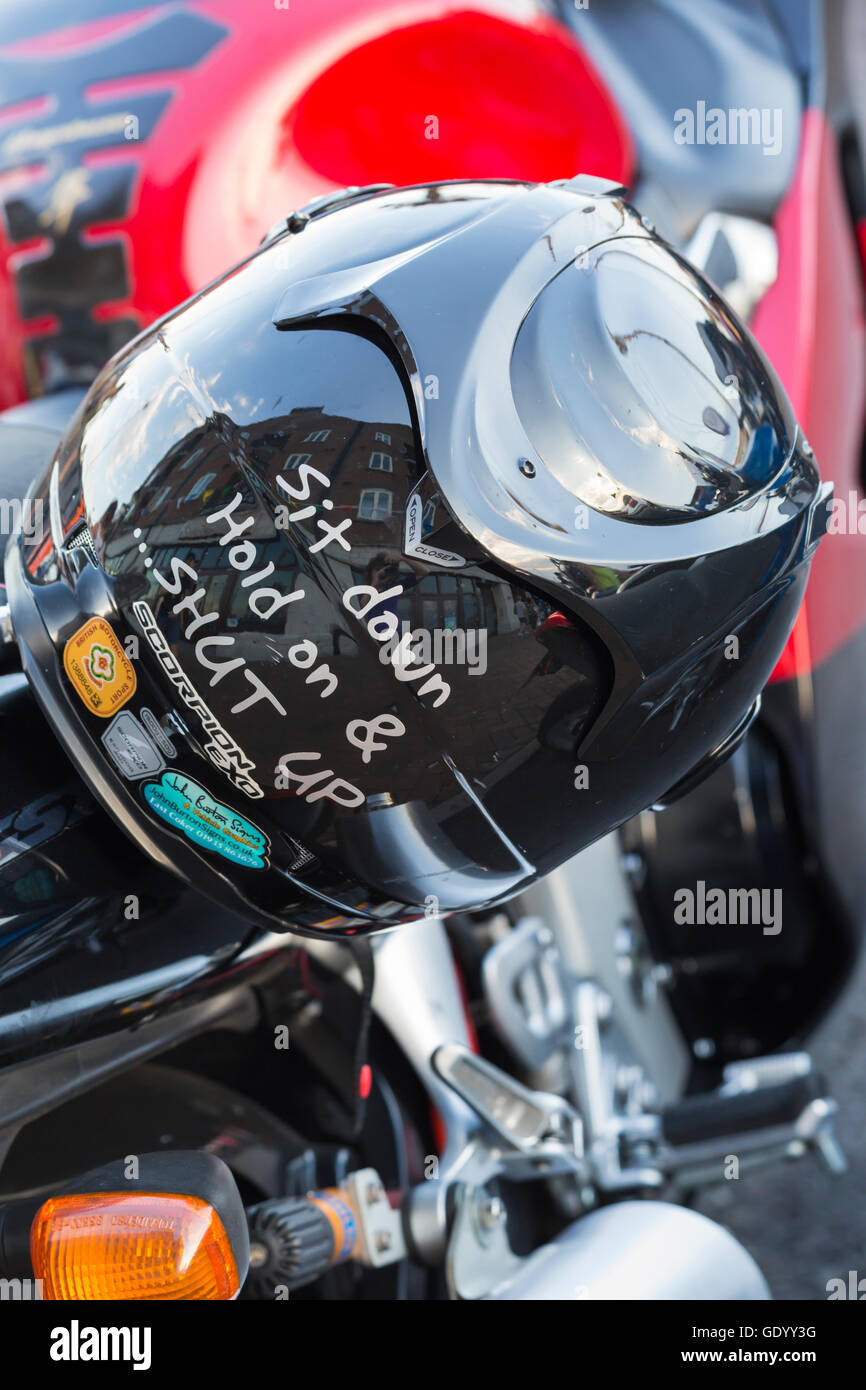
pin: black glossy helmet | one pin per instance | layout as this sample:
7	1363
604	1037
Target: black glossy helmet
453	528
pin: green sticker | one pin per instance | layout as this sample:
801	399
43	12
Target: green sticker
186	806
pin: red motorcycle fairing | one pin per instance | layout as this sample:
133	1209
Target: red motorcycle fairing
145	150
811	325
788	813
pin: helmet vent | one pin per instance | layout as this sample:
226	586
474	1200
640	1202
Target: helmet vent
82	539
303	857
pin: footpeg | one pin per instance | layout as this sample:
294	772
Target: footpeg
714	1115
541	1132
768	1109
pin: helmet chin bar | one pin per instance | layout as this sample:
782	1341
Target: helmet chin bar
713	760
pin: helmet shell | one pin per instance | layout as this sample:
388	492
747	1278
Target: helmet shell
354	605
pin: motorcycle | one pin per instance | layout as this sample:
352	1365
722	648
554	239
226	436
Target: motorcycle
513	1105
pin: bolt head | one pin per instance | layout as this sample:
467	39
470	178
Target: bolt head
491	1213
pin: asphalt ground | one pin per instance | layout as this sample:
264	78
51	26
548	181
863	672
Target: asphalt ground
802	1225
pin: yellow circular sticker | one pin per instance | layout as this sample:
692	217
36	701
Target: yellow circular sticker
98	668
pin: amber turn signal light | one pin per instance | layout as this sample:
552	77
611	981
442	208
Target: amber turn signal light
132	1245
169	1225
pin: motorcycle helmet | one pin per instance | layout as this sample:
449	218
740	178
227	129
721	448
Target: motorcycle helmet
455	526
